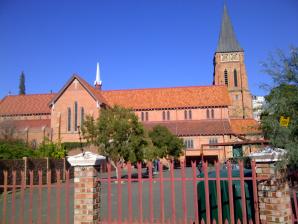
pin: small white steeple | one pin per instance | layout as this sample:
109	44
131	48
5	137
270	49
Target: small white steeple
97	82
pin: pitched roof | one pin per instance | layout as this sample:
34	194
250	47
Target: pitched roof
194	127
176	97
26	104
95	93
227	39
245	126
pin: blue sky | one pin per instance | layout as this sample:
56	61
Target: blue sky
139	43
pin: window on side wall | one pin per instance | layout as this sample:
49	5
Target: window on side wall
207	114
188	143
213	141
187	115
142	116
147	116
163	115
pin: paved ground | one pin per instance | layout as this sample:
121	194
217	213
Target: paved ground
104	212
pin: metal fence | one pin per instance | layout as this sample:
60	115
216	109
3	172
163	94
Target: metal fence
124	196
140	195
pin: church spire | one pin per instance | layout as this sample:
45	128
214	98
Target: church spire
227	39
97	82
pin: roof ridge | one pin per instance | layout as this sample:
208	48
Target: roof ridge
156	88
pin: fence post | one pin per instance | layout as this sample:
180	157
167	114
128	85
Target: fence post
25	168
86	187
273	191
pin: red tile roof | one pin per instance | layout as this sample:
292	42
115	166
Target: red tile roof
151	98
26	104
176	97
245	126
194	127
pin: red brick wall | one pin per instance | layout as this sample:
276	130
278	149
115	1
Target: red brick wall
240	95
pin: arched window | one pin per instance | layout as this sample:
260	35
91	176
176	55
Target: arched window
212	113
235	78
82	116
185	114
208	115
76	116
163	115
68	119
168	115
226	77
189	114
142	116
147	116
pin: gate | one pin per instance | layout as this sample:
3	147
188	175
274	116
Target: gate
138	195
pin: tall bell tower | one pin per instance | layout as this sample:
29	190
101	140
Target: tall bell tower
229	70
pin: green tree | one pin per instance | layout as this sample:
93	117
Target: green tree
165	142
282	100
119	135
22	88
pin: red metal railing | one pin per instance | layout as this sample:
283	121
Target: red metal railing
40	201
135	196
295	207
123	198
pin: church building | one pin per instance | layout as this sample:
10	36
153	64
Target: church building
215	121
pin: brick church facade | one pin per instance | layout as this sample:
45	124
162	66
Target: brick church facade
216	120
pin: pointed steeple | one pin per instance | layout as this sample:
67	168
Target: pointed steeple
97	82
227	39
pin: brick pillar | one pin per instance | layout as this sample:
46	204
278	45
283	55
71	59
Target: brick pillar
86	195
273	194
86	187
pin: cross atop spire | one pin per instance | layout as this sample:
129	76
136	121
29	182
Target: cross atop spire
97	82
227	39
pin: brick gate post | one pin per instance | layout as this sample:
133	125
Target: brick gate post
86	187
273	193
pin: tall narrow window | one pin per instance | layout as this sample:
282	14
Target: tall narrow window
185	114
147	116
226	77
76	116
190	114
168	115
142	116
235	78
212	113
164	115
208	115
68	119
82	116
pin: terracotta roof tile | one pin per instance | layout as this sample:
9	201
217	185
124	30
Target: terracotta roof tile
177	97
245	126
194	127
26	104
